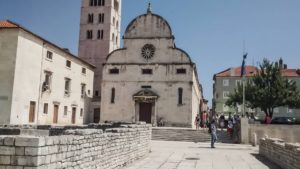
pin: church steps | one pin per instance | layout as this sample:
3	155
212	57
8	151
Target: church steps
187	135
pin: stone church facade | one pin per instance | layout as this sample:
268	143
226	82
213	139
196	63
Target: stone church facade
150	79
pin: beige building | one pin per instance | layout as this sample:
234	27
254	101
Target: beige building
99	35
150	79
41	83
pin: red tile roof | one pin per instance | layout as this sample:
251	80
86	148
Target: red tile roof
231	72
252	70
7	24
290	72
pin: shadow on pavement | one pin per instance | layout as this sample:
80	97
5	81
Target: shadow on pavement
265	161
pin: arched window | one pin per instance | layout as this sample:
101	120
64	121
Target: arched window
180	91
112	99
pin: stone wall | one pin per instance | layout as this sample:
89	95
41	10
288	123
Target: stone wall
76	148
286	155
288	133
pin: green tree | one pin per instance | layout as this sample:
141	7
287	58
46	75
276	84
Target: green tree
266	90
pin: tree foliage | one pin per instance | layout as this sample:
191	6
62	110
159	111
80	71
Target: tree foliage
266	90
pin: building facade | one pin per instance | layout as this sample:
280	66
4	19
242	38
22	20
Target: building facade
149	79
41	83
99	35
226	81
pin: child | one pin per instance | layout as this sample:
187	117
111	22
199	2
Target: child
230	128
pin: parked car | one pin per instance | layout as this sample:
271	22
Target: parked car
283	120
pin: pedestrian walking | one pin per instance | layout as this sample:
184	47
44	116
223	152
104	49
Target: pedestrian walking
197	121
213	133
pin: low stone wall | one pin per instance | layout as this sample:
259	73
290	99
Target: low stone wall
288	133
286	155
76	148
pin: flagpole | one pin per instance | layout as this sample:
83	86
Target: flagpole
243	73
243	111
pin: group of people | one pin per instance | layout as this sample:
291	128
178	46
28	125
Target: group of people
201	121
232	123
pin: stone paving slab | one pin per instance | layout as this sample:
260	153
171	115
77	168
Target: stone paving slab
187	155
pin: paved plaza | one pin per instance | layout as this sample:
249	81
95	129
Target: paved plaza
189	155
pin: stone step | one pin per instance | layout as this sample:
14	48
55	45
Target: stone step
187	135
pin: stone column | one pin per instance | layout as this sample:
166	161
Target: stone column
244	131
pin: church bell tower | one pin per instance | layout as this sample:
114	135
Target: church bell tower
99	35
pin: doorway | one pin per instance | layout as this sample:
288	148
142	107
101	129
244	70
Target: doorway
96	115
145	112
73	115
31	112
55	114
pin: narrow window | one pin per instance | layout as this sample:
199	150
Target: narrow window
49	55
112	36
117	24
67	86
89	92
82	90
47	81
181	71
97	93
68	63
98	34
83	70
89	34
101	18
101	34
45	108
103	2
112	99
116	39
95	3
90	18
91	2
65	110
114	71
99	2
147	71
180	90
114	20
81	112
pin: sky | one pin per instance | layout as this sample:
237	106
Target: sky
212	32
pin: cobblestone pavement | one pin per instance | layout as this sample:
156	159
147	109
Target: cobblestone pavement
187	155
